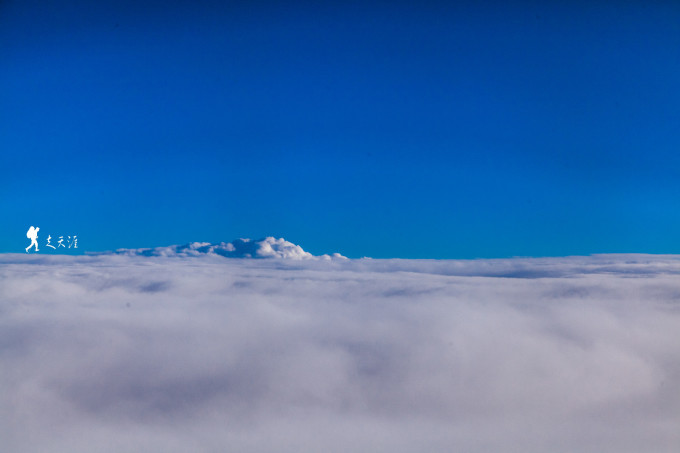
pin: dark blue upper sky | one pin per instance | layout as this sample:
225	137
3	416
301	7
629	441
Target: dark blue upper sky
384	129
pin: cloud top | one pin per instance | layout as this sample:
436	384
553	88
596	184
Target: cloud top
123	352
268	247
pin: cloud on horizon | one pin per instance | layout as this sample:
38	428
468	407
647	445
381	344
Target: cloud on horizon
268	247
123	352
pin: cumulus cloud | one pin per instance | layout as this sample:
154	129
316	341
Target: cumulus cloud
181	353
268	247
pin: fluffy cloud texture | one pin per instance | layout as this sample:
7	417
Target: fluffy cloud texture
127	353
268	247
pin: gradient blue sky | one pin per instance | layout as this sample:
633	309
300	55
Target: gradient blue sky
383	129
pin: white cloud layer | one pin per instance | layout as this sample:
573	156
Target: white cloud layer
268	247
126	353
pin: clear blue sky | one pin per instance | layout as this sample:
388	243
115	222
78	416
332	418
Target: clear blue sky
380	129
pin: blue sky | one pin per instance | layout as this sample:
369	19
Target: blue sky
376	129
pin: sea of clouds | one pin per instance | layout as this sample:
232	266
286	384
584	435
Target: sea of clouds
201	353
